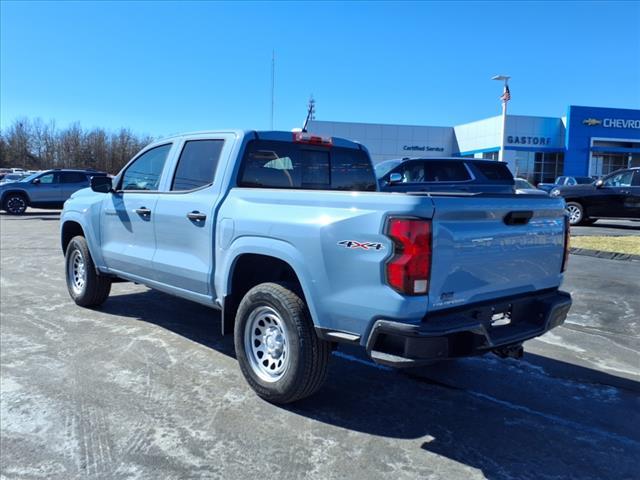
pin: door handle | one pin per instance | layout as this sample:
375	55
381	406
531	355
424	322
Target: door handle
196	216
144	211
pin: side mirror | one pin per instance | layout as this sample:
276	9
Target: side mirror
101	184
35	181
599	183
395	178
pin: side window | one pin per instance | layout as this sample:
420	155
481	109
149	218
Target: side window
447	171
412	172
47	179
144	173
636	178
72	177
197	164
494	170
622	179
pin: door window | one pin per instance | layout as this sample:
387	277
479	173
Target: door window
47	179
622	179
144	173
73	177
197	164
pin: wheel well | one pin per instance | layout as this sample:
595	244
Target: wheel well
15	192
70	229
251	270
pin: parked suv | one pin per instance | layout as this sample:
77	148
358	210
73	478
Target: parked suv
615	196
47	189
435	174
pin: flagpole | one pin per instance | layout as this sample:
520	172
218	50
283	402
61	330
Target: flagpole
503	130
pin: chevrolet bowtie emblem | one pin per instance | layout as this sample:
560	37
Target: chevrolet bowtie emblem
592	121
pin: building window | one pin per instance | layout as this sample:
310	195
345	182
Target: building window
539	167
603	163
490	155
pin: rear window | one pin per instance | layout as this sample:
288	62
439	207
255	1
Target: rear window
494	170
273	164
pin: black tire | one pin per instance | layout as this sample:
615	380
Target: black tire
576	213
95	288
307	355
15	204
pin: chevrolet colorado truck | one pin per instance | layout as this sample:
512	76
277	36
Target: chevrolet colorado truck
287	234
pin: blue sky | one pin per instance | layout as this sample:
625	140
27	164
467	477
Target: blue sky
164	67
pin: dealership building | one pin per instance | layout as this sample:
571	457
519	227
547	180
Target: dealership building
588	141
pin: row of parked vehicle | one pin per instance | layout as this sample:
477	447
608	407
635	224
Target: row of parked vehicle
616	195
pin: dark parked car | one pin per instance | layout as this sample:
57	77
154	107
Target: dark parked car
444	175
566	182
48	189
616	195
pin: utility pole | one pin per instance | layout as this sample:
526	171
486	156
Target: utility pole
506	96
273	85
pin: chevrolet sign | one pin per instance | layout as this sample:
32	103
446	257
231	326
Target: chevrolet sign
612	122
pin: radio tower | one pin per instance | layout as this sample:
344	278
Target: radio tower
312	108
311	113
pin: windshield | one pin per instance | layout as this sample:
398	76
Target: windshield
385	167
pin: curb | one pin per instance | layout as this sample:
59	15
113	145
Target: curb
605	255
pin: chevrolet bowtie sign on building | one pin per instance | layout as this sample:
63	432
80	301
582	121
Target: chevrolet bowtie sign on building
613	122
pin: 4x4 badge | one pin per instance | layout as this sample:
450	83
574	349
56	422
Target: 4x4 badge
362	245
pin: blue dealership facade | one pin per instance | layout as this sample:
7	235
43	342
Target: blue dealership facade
588	141
608	137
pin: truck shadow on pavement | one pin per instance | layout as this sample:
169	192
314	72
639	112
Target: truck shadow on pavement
536	418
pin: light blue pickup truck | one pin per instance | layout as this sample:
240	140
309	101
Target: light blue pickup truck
287	235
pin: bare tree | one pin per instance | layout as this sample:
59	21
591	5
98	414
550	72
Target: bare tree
34	144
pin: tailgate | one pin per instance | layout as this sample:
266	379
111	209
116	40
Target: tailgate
486	247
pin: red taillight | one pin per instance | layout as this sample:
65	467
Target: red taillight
567	233
304	137
409	270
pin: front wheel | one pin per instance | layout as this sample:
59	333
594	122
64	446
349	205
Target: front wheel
86	287
278	351
15	204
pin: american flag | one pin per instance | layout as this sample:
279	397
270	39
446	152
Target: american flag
506	96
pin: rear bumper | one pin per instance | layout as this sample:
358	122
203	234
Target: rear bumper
467	331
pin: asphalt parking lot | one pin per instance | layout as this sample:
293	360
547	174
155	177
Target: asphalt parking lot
145	387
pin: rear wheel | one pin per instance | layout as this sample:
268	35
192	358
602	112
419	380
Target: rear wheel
85	286
15	204
278	351
576	213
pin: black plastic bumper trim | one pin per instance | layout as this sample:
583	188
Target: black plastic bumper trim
467	331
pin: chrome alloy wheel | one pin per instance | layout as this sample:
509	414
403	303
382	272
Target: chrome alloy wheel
575	214
76	272
266	344
16	205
